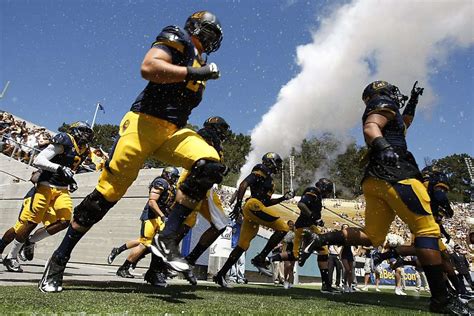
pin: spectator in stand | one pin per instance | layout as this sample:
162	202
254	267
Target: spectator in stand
237	272
462	267
278	266
289	266
335	262
369	268
347	258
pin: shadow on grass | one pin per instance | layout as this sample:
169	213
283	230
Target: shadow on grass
175	293
357	299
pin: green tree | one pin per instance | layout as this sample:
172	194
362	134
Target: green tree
236	148
455	168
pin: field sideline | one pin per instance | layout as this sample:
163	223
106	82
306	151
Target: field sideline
92	297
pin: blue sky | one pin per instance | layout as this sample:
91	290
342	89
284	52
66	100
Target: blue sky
64	56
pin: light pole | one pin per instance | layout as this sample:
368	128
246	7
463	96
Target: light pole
4	90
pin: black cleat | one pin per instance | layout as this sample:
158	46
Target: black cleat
167	249
27	251
114	253
124	273
12	265
52	280
190	277
262	266
155	278
453	306
220	280
330	290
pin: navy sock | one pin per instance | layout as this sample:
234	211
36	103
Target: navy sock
434	275
70	240
178	214
122	248
2	245
196	253
325	277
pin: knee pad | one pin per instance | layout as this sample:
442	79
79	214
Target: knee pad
92	209
323	258
427	243
201	178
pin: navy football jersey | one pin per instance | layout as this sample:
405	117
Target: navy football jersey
164	201
312	199
173	102
261	184
71	157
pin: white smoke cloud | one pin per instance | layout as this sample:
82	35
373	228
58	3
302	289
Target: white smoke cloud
363	41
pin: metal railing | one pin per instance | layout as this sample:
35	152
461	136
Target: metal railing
18	147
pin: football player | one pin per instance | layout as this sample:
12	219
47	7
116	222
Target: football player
155	127
161	196
49	201
215	131
257	211
436	182
310	206
392	186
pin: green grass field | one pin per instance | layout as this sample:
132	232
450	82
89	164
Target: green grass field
128	298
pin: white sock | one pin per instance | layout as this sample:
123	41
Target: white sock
39	234
15	249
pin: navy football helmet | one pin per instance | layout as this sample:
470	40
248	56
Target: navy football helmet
82	133
325	186
273	161
206	27
219	125
170	174
383	88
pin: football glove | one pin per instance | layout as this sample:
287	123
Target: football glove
73	187
385	151
416	91
66	174
289	195
234	215
203	73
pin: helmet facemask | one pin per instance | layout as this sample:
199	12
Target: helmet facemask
210	37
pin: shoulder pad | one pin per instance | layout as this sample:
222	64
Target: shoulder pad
62	139
311	191
174	37
261	170
381	105
441	180
206	134
159	183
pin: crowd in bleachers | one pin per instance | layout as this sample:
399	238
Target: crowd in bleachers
23	143
19	141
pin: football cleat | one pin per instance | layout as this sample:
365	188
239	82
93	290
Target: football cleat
167	249
262	266
52	279
453	306
330	290
220	280
155	278
12	265
27	251
113	253
124	273
190	277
